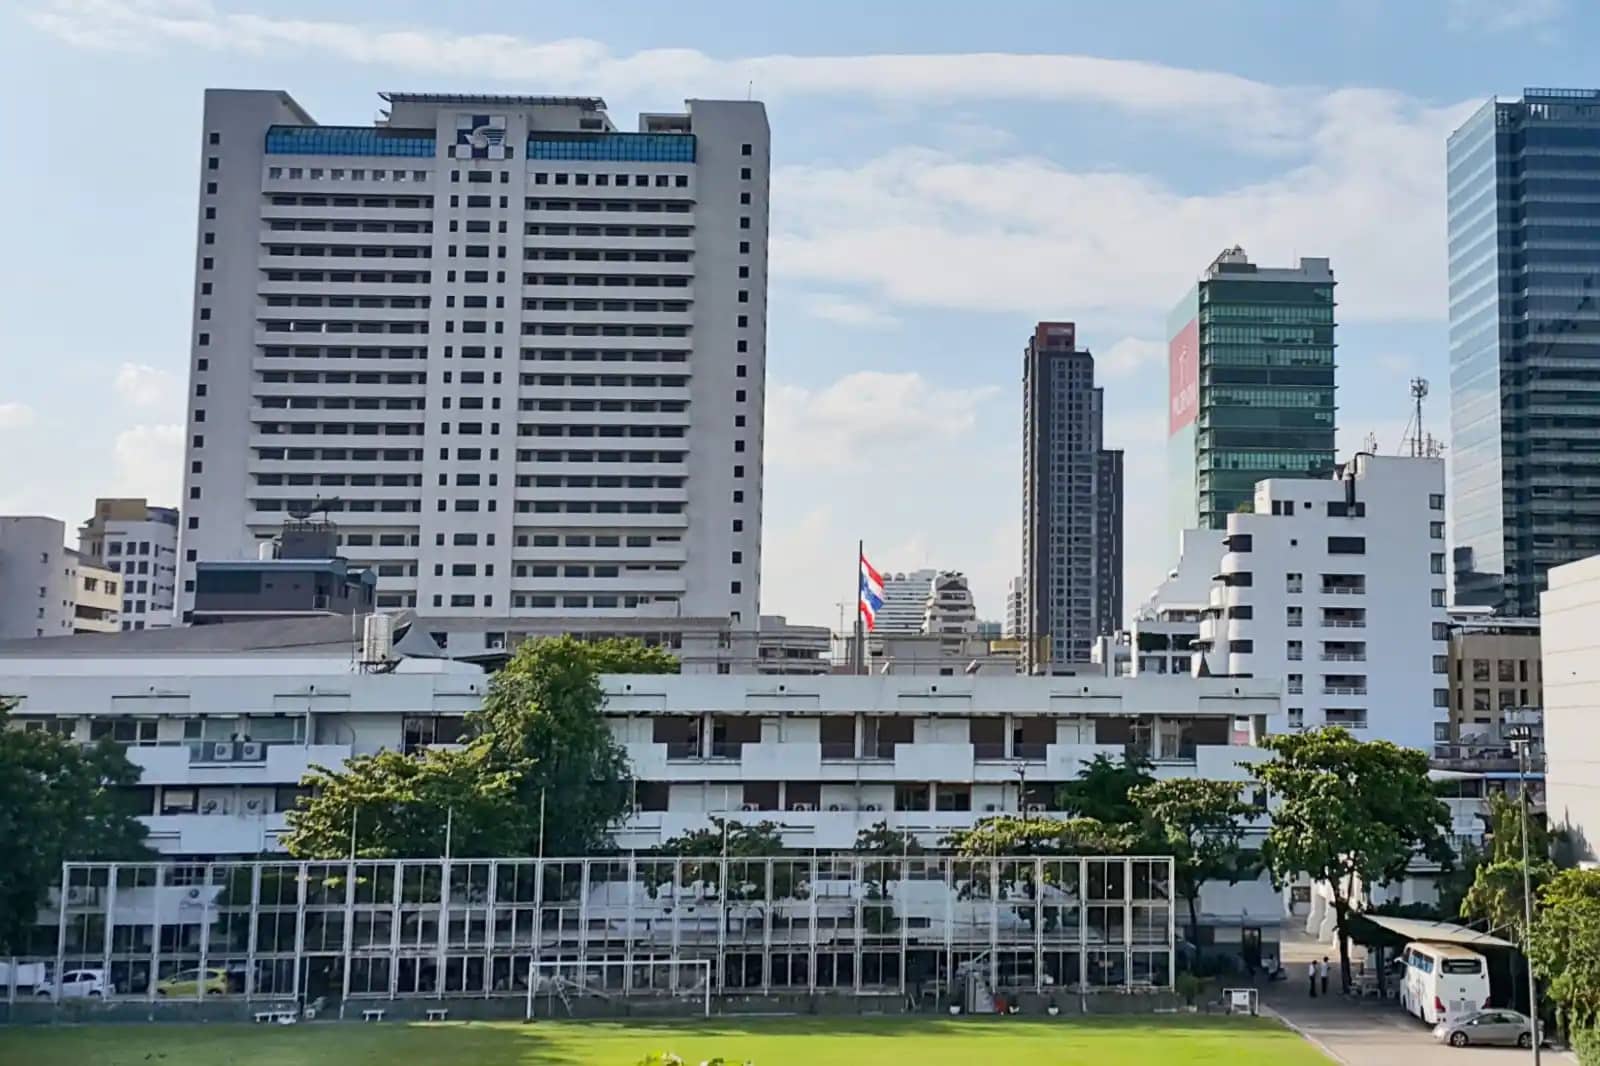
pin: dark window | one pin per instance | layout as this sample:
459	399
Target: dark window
1347	545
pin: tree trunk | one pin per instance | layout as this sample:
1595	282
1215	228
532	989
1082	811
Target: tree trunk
1194	928
1341	911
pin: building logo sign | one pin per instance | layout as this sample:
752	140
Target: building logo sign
1183	376
480	137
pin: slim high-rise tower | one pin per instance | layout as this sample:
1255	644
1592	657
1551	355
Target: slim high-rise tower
1524	178
1071	503
1250	385
517	355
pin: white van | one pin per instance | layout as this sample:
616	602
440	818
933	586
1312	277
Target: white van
1443	982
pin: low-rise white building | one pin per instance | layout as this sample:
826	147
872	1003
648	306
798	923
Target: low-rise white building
1337	587
139	542
48	589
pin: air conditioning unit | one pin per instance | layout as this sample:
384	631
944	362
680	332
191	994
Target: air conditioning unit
253	806
991	807
749	806
209	807
835	807
1035	808
871	807
222	751
801	807
79	894
252	751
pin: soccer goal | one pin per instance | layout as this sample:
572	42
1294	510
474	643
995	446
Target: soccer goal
553	984
1241	1000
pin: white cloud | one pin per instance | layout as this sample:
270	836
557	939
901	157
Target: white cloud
868	413
849	312
1023	234
149	461
1130	356
1253	112
15	416
146	387
1502	15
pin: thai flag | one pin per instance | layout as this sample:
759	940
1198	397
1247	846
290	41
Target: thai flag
871	593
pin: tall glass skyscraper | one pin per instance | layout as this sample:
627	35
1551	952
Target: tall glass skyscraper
1524	219
1250	385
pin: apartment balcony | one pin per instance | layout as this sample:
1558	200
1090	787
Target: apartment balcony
1344	585
1344	656
214	834
232	762
1344	690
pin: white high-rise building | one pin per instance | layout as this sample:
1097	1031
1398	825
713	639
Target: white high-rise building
518	355
48	589
140	542
905	601
1337	586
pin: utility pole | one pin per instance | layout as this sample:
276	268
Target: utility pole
1521	736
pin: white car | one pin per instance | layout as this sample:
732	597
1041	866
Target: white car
77	984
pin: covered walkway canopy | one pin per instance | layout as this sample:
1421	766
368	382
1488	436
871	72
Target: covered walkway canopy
1383	930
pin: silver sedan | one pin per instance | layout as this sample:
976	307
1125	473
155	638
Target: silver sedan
1497	1028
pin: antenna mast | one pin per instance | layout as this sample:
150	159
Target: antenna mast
1419	442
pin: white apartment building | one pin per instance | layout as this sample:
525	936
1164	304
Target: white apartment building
1162	634
1337	587
517	354
1011	627
905	602
140	542
48	589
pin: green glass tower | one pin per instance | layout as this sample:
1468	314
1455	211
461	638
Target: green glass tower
1250	385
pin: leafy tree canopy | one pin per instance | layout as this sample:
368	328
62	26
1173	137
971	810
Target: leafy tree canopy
1200	823
1349	811
1565	945
1496	894
1103	787
394	806
1010	834
541	719
59	800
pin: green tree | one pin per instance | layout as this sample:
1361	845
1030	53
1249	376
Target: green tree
1349	811
881	845
1565	945
1102	789
741	845
59	801
541	720
1496	895
1010	834
395	806
1201	823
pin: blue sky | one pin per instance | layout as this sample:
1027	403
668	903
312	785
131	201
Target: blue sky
944	175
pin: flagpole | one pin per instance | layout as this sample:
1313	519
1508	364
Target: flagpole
860	663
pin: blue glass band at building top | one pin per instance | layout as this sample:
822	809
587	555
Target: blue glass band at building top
349	140
614	147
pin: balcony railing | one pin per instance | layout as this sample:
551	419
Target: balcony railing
1344	690
1344	656
1343	590
1345	623
1295	688
1295	656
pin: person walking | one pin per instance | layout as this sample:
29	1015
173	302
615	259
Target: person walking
1312	971
1322	973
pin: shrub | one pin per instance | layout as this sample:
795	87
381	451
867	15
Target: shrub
1586	1042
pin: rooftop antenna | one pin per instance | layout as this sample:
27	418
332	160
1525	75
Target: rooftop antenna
1419	441
749	89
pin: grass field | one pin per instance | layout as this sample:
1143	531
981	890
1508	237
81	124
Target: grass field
834	1041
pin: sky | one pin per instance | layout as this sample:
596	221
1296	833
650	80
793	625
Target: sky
944	175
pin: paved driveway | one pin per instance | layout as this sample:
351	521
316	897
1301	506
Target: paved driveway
1373	1034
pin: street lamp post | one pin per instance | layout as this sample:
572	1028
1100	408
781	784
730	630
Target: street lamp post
1520	737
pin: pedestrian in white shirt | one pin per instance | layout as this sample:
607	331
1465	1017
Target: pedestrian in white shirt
1311	971
1322	973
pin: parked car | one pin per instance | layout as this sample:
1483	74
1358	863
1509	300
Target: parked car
76	984
188	983
1498	1028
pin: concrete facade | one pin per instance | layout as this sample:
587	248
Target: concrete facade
1570	615
1337	587
140	542
48	589
517	354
